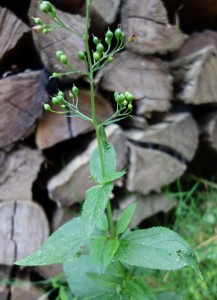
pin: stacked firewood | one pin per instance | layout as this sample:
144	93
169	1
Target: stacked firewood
170	68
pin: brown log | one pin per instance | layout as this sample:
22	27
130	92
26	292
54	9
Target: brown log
70	185
147	206
158	155
148	21
19	170
11	30
23	228
145	77
54	128
20	105
59	39
195	77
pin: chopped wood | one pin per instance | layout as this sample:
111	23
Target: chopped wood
150	81
148	21
23	228
5	272
59	39
11	30
49	271
208	129
195	77
70	185
27	291
107	10
20	105
19	170
55	128
177	133
147	206
150	169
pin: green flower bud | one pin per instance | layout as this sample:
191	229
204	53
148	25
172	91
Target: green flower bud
119	98
129	97
60	93
60	99
47	107
55	101
108	42
109	35
100	48
63	59
45	31
56	75
63	106
71	95
81	55
75	90
46	7
58	54
96	56
95	40
125	103
38	21
130	106
119	34
110	58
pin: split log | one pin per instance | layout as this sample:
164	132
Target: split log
20	105
54	128
159	155
29	292
59	39
11	30
147	206
148	21
23	228
70	185
150	82
107	10
195	77
208	129
5	272
18	172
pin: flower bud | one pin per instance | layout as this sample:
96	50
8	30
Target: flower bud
81	55
109	35
119	34
125	103
129	97
100	48
75	90
45	31
56	75
119	98
37	28
71	95
60	93
47	107
55	101
95	40
58	54
130	106
38	21
46	7
96	56
63	59
63	106
60	99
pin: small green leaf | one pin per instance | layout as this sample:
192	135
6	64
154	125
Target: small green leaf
102	223
104	280
113	176
156	248
109	160
97	247
63	245
138	289
94	205
110	249
125	218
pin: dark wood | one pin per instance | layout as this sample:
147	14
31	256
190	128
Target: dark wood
59	39
23	228
54	128
145	77
21	100
208	129
69	186
147	19
195	77
19	170
11	30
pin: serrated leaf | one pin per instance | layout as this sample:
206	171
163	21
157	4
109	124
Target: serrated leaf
109	160
113	176
63	245
155	248
125	218
138	289
111	248
97	247
170	296
104	280
94	205
102	223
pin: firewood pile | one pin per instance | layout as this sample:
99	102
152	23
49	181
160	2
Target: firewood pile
171	68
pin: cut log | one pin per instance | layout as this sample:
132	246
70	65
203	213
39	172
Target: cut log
147	206
18	172
150	82
158	156
5	272
208	129
59	39
148	21
176	133
54	128
196	42
27	291
195	77
23	228
11	30
70	185
20	105
107	10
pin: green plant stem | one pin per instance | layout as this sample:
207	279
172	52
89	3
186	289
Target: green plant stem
94	119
